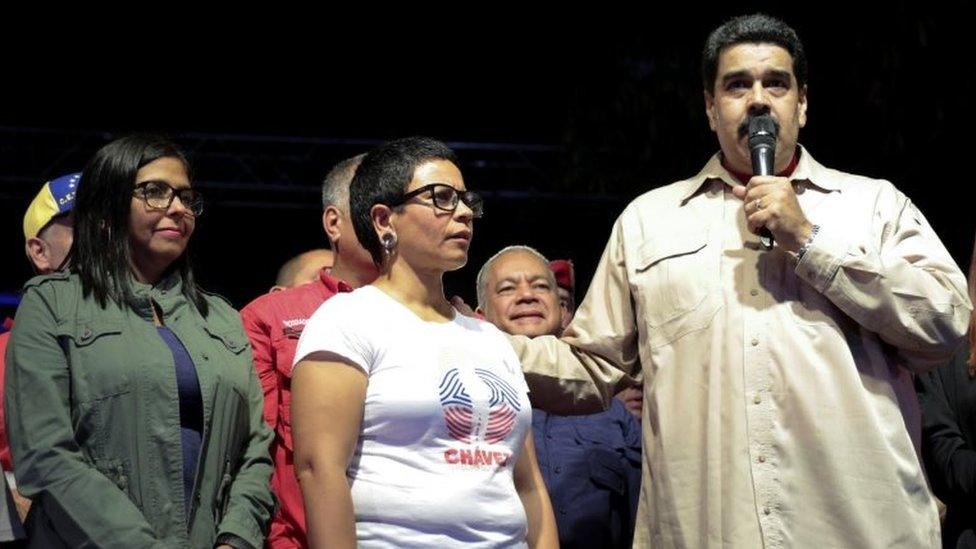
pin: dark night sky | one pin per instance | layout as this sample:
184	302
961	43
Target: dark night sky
618	97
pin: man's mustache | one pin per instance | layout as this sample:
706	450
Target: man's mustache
744	125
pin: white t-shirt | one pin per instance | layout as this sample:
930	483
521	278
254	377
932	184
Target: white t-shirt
445	418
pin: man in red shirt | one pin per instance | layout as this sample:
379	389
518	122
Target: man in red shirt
303	268
274	322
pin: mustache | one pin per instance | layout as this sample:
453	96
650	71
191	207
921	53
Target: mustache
743	129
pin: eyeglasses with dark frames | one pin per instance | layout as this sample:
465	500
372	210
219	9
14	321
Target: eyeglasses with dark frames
159	195
446	197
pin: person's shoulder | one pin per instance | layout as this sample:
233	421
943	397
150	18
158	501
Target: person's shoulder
366	295
55	298
665	195
58	289
220	311
660	205
53	281
846	181
349	306
478	325
283	302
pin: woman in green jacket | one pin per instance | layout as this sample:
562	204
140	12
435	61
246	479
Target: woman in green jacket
133	411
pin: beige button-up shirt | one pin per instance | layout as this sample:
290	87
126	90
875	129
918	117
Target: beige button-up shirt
778	402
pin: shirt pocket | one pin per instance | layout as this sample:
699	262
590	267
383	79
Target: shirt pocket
604	455
675	281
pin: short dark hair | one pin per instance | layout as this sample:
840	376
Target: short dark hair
382	178
752	29
100	252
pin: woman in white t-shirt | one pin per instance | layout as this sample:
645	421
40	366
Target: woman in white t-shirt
411	423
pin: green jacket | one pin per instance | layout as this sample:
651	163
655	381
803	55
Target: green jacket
94	421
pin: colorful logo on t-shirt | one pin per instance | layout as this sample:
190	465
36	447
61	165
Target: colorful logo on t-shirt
459	413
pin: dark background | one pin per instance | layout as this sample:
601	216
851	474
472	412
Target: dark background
560	121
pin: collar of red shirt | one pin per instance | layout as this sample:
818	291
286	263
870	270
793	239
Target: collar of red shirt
332	283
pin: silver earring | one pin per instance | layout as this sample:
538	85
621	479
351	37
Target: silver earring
389	241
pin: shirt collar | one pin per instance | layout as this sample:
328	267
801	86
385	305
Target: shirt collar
333	284
167	294
807	169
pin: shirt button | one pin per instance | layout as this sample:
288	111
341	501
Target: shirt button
767	510
562	511
87	333
762	459
757	399
548	436
755	342
753	292
558	469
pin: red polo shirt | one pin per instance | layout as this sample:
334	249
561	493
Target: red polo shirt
273	323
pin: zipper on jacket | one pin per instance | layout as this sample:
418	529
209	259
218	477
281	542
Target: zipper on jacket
197	475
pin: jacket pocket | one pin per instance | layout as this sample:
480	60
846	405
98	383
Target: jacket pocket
223	491
230	432
100	361
232	339
86	333
106	420
117	472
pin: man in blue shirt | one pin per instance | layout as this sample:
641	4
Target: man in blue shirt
590	463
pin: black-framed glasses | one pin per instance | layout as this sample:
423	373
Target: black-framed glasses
158	195
446	197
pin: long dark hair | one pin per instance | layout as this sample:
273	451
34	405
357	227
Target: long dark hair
100	252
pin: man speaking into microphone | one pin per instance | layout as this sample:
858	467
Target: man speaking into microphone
778	403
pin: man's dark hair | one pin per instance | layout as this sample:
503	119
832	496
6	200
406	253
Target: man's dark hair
752	29
382	178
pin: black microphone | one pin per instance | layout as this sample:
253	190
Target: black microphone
762	148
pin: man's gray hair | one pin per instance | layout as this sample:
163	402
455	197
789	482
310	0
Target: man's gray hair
335	187
482	279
